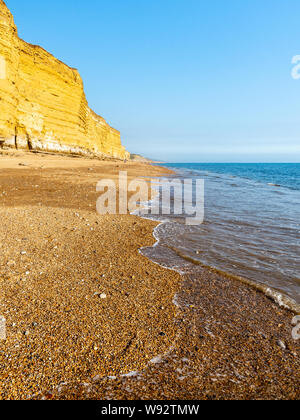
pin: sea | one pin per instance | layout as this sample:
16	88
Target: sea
251	226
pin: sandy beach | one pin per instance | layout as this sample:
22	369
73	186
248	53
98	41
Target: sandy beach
89	317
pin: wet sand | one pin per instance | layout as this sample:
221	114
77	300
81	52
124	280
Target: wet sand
84	307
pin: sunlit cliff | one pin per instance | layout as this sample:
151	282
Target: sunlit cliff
42	102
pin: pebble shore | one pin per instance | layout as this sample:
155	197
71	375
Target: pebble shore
89	317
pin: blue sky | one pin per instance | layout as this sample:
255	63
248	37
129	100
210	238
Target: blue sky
183	80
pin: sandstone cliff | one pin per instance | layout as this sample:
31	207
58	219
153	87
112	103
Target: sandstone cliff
43	104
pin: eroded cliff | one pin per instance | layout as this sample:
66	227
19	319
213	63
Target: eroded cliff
42	102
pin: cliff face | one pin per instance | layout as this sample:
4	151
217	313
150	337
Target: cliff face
43	104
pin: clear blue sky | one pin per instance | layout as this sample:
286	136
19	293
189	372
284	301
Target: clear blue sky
183	80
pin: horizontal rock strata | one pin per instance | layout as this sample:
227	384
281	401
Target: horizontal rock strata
43	106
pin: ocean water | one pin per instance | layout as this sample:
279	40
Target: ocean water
251	226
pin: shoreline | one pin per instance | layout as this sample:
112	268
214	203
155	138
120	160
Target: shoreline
281	298
194	341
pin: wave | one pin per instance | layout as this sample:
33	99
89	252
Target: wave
165	248
278	297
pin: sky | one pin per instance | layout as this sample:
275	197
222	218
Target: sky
183	80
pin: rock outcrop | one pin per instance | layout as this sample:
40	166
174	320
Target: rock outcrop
42	102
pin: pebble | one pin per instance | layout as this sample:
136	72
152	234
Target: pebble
100	295
281	344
